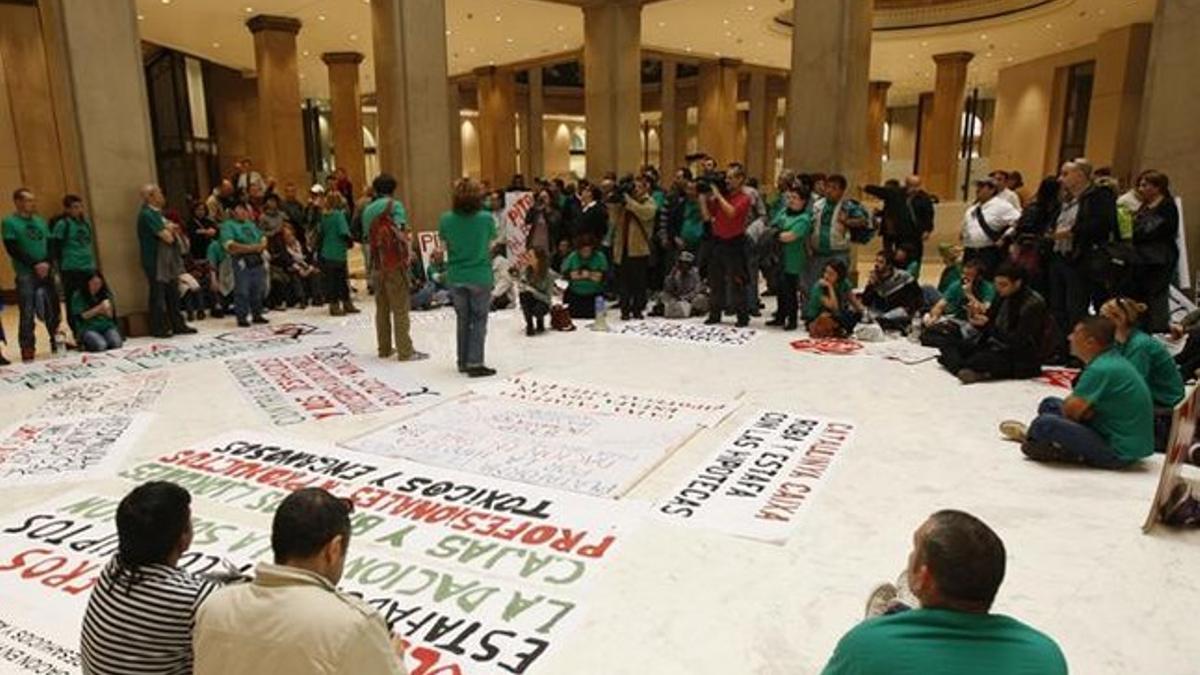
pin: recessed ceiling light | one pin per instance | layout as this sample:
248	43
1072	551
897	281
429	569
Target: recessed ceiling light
749	8
447	32
141	17
498	17
320	17
924	44
983	37
216	45
166	2
1009	59
1049	26
662	24
306	52
725	21
249	10
561	28
353	36
508	40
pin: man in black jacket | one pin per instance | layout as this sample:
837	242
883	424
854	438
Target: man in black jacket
593	219
1080	266
907	215
1013	334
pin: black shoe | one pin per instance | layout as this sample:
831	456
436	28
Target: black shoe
480	371
777	321
529	331
4	361
712	320
790	325
742	321
260	319
200	315
186	330
624	316
162	334
191	315
218	313
242	323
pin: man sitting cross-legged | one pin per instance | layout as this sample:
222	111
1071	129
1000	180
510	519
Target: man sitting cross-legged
1106	422
954	571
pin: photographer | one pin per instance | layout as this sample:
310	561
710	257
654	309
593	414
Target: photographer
728	209
633	214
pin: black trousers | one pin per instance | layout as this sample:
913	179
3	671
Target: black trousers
634	277
164	308
1151	284
581	305
789	304
996	364
72	281
337	283
535	310
727	277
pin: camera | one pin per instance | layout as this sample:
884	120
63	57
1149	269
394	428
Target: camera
624	188
711	180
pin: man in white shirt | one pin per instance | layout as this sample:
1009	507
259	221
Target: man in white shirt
985	223
1005	193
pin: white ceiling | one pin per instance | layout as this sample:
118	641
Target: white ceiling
484	32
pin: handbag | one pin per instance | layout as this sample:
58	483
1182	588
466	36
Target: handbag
560	319
824	327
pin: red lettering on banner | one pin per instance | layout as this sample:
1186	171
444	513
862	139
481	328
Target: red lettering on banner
84	572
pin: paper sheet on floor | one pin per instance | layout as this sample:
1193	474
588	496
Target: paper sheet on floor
39	451
687	331
124	395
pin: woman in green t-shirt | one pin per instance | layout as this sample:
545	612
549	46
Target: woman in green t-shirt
584	270
832	309
467	231
94	318
1150	359
795	225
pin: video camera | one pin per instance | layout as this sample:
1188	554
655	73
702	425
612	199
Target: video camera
625	188
710	180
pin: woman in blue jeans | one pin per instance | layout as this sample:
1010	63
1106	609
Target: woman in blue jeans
468	231
93	315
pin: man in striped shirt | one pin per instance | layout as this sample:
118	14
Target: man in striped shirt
140	614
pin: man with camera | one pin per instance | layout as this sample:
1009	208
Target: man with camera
728	209
634	213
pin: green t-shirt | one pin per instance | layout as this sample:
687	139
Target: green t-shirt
371	212
30	235
98	323
436	273
335	236
595	263
76	238
814	306
692	229
1122	410
956	299
216	253
150	222
240	231
1156	366
795	253
950	276
468	241
945	642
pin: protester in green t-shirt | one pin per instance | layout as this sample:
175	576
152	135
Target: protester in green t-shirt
1147	355
95	316
467	232
26	238
969	297
584	270
71	238
795	225
832	310
335	241
1106	422
245	243
954	571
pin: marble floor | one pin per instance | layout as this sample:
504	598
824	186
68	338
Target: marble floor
690	601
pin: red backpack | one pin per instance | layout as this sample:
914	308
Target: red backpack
389	244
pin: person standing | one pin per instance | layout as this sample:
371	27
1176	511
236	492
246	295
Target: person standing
153	231
985	224
27	239
385	222
467	231
335	243
71	240
634	216
729	211
795	225
1156	250
837	217
245	243
1086	222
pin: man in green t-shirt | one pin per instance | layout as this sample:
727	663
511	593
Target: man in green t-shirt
1106	422
245	243
71	240
954	571
391	253
26	238
584	270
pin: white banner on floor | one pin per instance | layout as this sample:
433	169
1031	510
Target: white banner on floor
67	448
624	403
601	454
691	332
762	479
123	395
477	574
319	383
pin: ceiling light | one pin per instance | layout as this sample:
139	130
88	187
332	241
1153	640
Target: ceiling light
141	17
662	24
1009	59
166	2
249	10
725	21
353	36
508	40
216	45
320	17
498	18
561	28
924	44
306	52
749	8
1049	26
447	32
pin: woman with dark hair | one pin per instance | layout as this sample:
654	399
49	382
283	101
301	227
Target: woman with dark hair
140	614
1155	248
468	231
832	310
584	270
94	318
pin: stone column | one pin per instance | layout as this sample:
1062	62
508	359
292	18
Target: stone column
497	94
535	143
718	109
759	142
346	106
940	147
456	149
409	46
1170	138
670	155
876	118
104	111
827	90
1117	98
280	119
612	37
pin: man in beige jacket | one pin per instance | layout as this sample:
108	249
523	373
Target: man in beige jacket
292	619
634	217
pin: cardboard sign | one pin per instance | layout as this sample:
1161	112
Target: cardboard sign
1183	436
762	479
513	228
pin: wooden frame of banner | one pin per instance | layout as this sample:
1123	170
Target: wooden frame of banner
1183	433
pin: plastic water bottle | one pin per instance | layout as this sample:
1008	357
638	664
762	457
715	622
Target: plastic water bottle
914	331
601	322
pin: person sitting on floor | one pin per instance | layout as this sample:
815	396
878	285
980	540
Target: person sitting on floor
141	610
536	286
584	270
1107	421
684	294
94	317
1011	334
292	618
954	571
892	296
832	310
504	291
1152	361
970	296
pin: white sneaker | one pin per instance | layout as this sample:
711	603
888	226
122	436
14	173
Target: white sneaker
1013	430
880	600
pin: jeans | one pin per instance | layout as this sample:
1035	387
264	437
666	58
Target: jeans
250	285
728	276
36	298
95	341
471	305
392	303
1066	440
